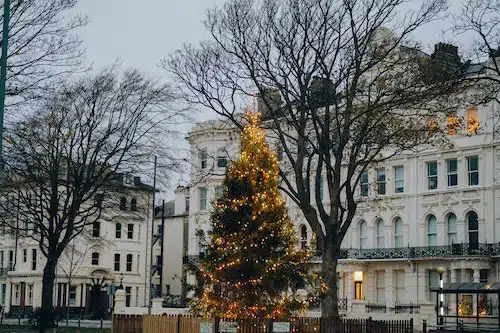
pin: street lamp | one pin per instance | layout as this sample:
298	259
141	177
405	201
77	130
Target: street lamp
120	287
440	270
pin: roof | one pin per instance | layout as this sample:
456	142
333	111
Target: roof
469	287
169	209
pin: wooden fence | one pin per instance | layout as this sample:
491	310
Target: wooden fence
189	324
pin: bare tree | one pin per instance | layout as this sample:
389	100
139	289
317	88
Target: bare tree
42	46
480	20
340	91
65	160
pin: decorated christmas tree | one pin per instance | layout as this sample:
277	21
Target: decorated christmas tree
252	266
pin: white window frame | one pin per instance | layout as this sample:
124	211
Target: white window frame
431	234
70	301
399	180
452	234
363	237
380	233
471	173
203	156
381	181
221	159
364	184
203	193
219	191
398	235
432	177
452	174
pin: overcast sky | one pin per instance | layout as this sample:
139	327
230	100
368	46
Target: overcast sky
140	33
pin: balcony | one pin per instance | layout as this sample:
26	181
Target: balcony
404	253
5	270
412	253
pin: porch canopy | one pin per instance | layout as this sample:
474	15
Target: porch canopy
469	288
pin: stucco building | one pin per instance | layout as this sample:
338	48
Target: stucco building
416	212
113	252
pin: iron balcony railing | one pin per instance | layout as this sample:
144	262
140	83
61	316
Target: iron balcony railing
5	270
454	250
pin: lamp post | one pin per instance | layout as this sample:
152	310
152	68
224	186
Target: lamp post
440	270
120	287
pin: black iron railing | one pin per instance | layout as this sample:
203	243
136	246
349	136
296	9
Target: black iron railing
5	270
455	250
467	249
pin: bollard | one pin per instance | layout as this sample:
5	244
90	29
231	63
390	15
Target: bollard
424	326
19	319
101	322
79	322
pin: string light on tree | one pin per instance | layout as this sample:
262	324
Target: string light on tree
252	267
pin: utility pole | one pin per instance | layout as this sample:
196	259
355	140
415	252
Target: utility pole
152	243
3	70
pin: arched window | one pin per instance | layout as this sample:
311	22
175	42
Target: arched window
431	230
303	237
123	203
380	234
451	225
362	235
398	232
473	229
133	204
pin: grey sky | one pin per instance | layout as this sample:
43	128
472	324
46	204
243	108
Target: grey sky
140	33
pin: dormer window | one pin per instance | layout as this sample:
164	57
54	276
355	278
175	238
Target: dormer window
472	121
452	124
133	204
123	203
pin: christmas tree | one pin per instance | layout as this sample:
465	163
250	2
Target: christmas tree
252	266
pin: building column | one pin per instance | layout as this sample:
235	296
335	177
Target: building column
452	297
411	285
475	299
389	288
8	300
453	275
350	287
476	276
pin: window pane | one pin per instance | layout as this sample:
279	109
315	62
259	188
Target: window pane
472	221
381	181
399	179
432	175
431	225
452	223
432	240
473	163
432	168
452	165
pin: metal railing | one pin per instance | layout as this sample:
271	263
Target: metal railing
454	250
5	270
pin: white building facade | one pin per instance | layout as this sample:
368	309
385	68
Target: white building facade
440	207
113	254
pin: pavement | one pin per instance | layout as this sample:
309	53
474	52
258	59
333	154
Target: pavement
62	323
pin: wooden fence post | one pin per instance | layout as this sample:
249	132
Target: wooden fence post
369	326
270	326
179	323
216	324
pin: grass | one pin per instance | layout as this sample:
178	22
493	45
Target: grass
27	329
